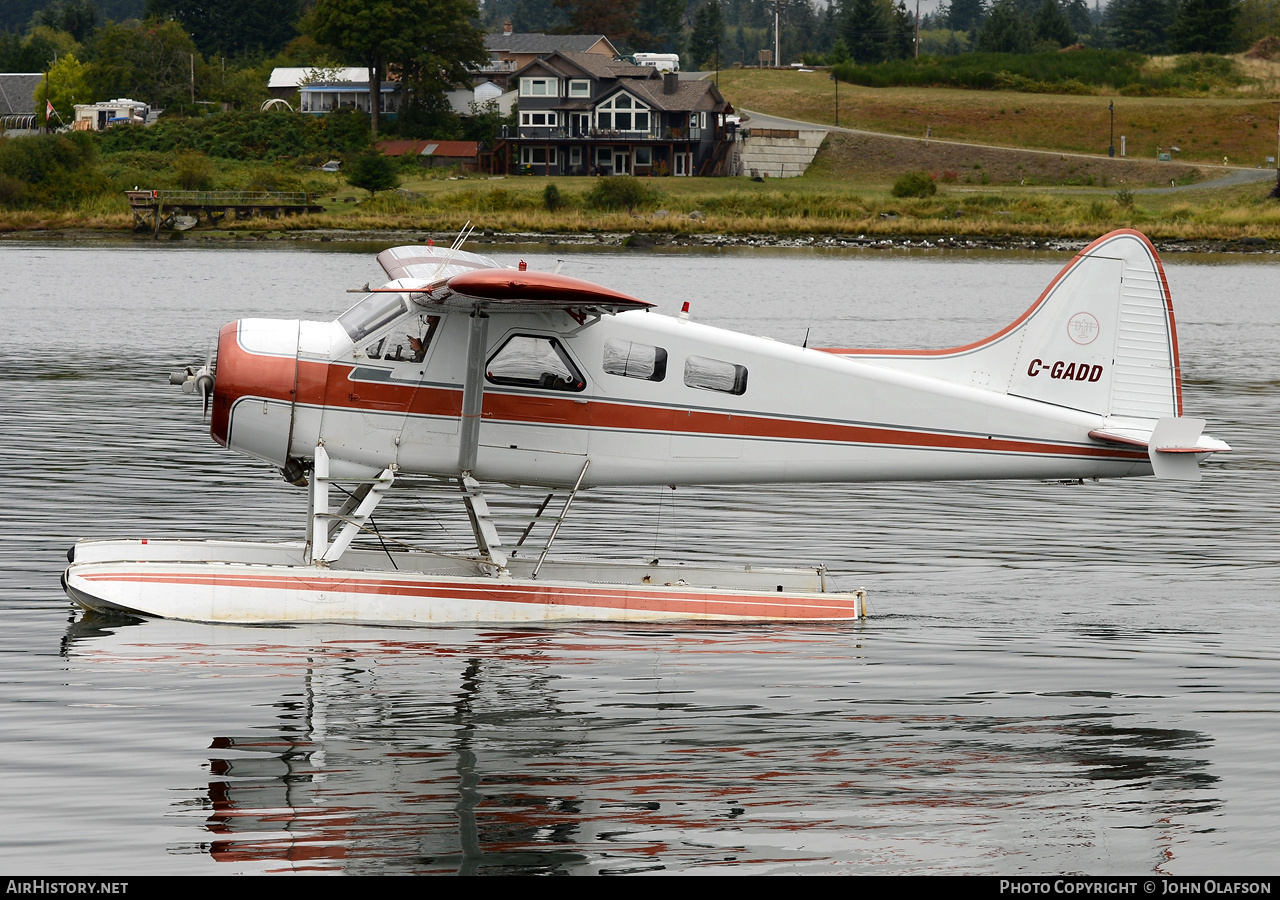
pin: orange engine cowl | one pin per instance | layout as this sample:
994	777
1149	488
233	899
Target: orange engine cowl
254	385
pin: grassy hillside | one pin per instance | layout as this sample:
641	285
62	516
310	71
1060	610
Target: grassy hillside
1242	129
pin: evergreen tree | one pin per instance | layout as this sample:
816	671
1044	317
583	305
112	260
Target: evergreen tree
1007	30
902	36
708	36
1141	25
1077	13
1051	26
662	22
865	29
1204	26
965	15
373	172
535	16
232	27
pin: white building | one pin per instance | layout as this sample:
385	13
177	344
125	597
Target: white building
101	116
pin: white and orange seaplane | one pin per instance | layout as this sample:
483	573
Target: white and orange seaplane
463	370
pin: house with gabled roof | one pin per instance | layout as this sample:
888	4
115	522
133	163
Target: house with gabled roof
512	50
583	114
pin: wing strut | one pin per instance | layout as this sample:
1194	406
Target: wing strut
473	394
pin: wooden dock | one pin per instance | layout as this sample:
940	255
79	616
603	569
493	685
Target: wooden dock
153	210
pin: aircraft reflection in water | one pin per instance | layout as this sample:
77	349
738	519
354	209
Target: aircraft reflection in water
464	372
494	752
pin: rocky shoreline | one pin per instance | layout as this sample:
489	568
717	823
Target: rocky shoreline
651	241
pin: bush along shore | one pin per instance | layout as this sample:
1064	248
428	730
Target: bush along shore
587	210
858	185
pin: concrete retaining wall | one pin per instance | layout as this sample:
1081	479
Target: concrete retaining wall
778	154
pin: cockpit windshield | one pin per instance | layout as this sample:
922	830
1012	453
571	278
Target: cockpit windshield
372	313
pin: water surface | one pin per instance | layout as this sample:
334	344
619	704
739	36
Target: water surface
1058	678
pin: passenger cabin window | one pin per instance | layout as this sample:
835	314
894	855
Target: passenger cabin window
527	360
715	375
372	313
635	360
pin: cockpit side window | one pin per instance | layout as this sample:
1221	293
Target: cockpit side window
372	313
527	360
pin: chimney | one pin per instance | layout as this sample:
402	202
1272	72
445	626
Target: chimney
670	82
506	28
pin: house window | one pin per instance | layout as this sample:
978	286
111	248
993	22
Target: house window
575	156
681	167
530	361
644	156
635	360
579	88
622	112
538	119
715	375
537	156
539	87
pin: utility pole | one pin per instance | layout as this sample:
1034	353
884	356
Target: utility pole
777	40
917	30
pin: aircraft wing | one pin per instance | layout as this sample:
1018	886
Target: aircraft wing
430	263
496	290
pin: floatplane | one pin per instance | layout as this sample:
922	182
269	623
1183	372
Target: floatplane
461	370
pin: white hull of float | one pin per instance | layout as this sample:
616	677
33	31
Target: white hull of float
268	583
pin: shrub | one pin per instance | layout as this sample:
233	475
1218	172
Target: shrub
49	169
614	192
551	198
193	171
915	184
1124	198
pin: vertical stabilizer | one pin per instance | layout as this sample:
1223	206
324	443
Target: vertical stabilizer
1100	339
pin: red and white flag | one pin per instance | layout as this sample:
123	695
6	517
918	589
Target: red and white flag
49	111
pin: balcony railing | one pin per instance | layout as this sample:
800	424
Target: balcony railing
597	134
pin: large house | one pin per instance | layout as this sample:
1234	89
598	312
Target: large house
585	114
510	51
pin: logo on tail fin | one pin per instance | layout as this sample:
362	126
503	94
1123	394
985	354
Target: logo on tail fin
1083	328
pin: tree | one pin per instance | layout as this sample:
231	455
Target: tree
1258	19
708	35
1007	30
1140	25
151	61
373	172
232	27
77	18
902	33
1204	26
1051	25
67	86
619	20
1077	13
431	41
865	29
965	15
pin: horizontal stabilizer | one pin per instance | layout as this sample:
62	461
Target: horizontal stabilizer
1175	445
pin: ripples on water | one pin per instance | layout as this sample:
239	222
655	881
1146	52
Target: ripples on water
1058	678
